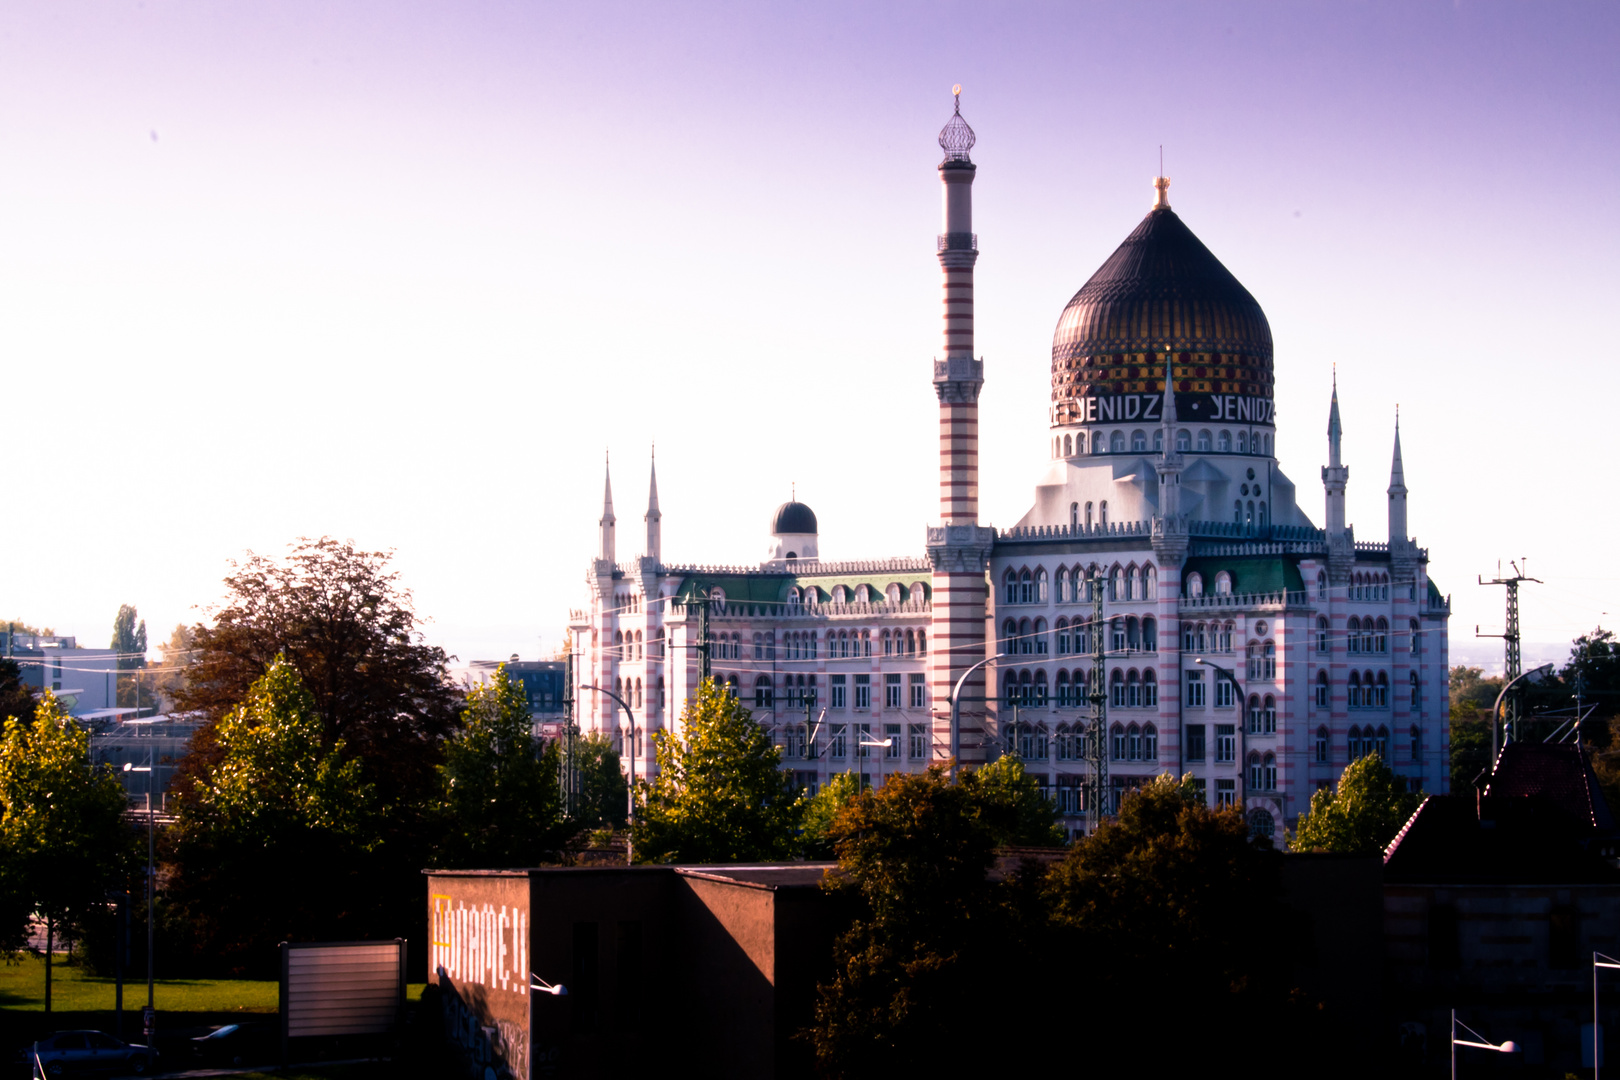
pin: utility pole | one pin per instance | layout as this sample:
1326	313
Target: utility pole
703	639
1513	707
570	777
1097	741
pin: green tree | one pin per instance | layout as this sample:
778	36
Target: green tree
277	836
129	641
502	804
17	698
1472	698
170	676
1361	814
822	810
63	842
604	794
1032	818
718	796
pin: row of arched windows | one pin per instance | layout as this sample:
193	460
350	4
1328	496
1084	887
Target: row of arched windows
1262	715
1368	635
631	691
1262	659
1262	771
1128	742
1207	637
626	602
1194	584
1369	691
1031	637
1118	442
1364	741
1075	584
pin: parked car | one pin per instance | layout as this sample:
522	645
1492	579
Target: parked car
78	1053
235	1044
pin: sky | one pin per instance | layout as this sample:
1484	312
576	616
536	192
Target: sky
403	273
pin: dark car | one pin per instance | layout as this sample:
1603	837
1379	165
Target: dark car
235	1044
78	1053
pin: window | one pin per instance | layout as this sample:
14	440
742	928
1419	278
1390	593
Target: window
919	689
1256	779
1321	689
1011	583
1225	793
1417	693
1321	635
917	743
891	692
1026	588
763	694
1116	690
1195	689
1417	638
1223	442
1355	748
1150	635
1138	442
1268	770
838	691
1040	585
1116	742
1243	442
1380	742
1195	742
1133	743
1381	698
1268	716
1262	825
863	692
836	746
1102	514
1203	442
1116	443
1063	595
1321	587
1355	690
1133	690
1041	639
864	741
1183	441
1417	743
1063	637
1041	698
1320	749
1088	517
891	741
1195	584
1254	714
1150	690
1150	743
1223	694
1268	658
1225	743
1223	584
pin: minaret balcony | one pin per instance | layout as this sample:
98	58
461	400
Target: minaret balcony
959	241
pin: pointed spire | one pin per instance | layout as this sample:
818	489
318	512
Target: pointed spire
1170	416
1397	474
654	515
652	488
1335	428
607	550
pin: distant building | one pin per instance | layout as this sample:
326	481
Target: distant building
156	741
543	683
86	680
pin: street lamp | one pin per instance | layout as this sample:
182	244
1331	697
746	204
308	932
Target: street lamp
956	708
1534	675
1237	695
1509	1047
1598	961
630	814
149	1018
554	989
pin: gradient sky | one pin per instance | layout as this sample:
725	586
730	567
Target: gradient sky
401	272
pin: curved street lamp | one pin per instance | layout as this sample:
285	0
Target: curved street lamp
956	708
630	813
1598	961
1509	1047
1534	675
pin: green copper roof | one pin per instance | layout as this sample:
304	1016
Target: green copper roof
1258	574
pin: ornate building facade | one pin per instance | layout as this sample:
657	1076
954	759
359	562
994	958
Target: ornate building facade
1164	606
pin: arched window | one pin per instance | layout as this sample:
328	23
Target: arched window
1116	689
1158	440
763	692
1074	515
1063	594
759	646
1133	633
1417	743
1068	446
1416	629
1243	442
887	650
1252	655
1041	697
1321	635
1254	714
1026	688
1010	687
1381	742
1063	690
1264	519
1026	588
922	643
1202	640
793	597
1203	442
1268	716
1226	638
1269	664
1116	740
839	594
1322	689
1133	743
1116	585
1195	584
1116	443
1355	690
1133	690
1065	742
1223	442
1381	636
1150	635
1262	826
1040	585
1150	743
866	642
1150	690
843	643
1367	635
911	643
893	592
1237	511
1417	692
1010	580
1383	690
1183	441
1256	779
1321	747
1321	584
1352	633
1150	582
1116	630
1009	636
1080	443
1040	637
1026	642
1248	519
1063	637
1088	517
1355	741
1189	638
1268	768
1102	514
1223	584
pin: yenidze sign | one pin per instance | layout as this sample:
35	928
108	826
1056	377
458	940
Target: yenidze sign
1149	408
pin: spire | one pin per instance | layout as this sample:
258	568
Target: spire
956	138
1335	477
1397	492
1170	416
654	516
1335	429
607	546
1397	474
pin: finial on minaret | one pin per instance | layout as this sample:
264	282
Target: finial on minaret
1161	193
956	138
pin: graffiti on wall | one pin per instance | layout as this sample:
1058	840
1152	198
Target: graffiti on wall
483	944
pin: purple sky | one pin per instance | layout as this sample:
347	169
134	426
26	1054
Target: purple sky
400	272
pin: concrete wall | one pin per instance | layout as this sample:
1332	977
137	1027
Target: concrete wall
478	956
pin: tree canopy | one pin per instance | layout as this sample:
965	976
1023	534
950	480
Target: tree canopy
340	618
501	801
129	641
718	796
1361	814
604	794
1030	818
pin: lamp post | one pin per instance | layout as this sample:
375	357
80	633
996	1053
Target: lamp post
1534	675
1598	961
1509	1047
149	1017
630	814
956	708
1237	695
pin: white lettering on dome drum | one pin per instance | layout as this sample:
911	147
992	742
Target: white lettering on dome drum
1215	408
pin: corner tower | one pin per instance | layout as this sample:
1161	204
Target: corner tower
958	547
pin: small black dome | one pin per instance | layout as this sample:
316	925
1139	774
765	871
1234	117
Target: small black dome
793	517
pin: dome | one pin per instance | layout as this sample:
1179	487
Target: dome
793	517
1162	288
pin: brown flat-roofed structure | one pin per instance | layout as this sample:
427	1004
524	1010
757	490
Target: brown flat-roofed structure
720	961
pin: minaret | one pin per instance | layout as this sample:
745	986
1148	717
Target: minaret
958	546
654	530
1335	477
1397	491
608	547
1169	532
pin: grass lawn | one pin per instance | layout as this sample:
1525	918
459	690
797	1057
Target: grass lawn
22	987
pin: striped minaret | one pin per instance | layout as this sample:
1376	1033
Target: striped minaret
958	547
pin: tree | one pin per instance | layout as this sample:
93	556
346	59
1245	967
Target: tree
63	841
822	810
129	641
1472	698
17	698
1033	819
277	835
341	620
1359	816
927	929
170	676
604	794
718	796
502	804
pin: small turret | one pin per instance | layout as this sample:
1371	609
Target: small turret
1335	476
1397	491
608	547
